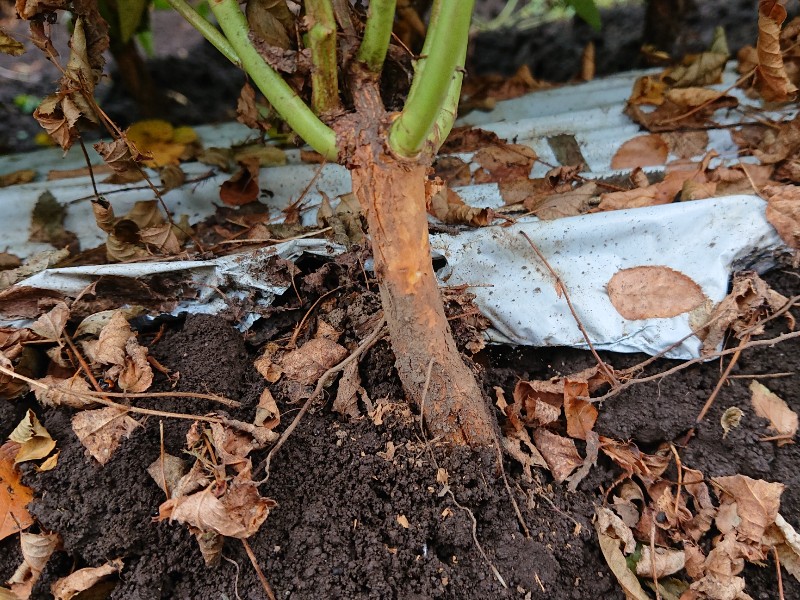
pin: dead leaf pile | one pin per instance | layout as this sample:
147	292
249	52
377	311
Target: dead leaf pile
216	496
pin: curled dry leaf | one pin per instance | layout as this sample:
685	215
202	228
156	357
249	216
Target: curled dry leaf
51	325
581	414
81	580
34	440
447	206
666	562
8	45
36	551
14	496
101	430
783	212
771	79
117	346
559	453
757	503
782	419
611	533
750	300
783	537
346	402
653	292
238	513
242	188
64	392
647	467
519	445
267	413
701	69
307	364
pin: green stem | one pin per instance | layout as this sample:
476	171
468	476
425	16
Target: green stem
447	34
206	29
447	116
283	98
377	34
324	75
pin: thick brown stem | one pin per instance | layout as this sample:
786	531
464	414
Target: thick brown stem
392	192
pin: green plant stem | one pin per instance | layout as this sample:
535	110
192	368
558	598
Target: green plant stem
283	98
447	33
447	116
206	29
377	34
324	75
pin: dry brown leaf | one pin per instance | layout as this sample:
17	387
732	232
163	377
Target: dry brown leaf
782	419
136	374
783	537
503	161
519	445
242	188
14	496
611	531
641	151
59	392
110	349
557	205
452	170
653	292
559	453
720	570
17	177
750	300
167	470
647	467
581	415
539	401
701	69
36	551
757	503
307	364
666	562
682	107
8	45
783	212
267	413
51	325
101	430
771	79
346	402
34	440
81	580
238	513
447	206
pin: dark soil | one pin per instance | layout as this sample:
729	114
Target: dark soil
335	532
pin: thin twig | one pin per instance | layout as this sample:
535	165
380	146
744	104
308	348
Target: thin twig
762	375
264	583
684	365
653	559
323	380
723	378
779	574
562	288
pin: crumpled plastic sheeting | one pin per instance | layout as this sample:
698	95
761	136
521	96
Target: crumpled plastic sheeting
237	275
705	240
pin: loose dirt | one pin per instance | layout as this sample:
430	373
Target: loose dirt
360	513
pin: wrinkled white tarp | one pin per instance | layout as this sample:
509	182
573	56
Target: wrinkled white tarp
706	240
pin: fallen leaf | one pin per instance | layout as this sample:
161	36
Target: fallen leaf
666	562
772	80
101	430
503	161
238	513
64	392
539	402
653	292
167	470
757	503
34	440
307	364
36	551
51	325
47	222
730	419
611	531
581	415
8	45
346	401
518	444
81	580
783	212
242	188
647	467
701	69
783	537
641	151
14	496
16	177
160	142
267	413
783	420
559	453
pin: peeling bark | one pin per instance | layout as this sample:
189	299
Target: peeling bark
392	193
